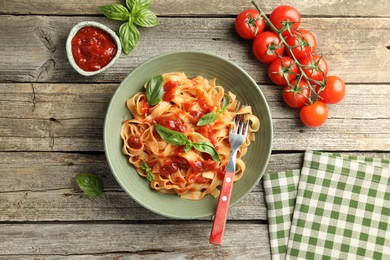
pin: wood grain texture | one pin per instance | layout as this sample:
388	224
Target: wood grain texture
51	124
32	48
186	240
197	7
41	187
70	117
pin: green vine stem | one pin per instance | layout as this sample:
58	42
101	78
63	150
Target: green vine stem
288	26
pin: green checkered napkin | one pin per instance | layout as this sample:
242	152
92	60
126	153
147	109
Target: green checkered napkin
335	207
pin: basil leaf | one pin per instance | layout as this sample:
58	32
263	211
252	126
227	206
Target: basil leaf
129	36
115	12
187	146
90	184
206	147
225	103
207	119
145	18
148	170
155	90
170	136
136	5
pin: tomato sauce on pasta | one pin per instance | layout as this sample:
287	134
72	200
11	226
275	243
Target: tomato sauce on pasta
190	169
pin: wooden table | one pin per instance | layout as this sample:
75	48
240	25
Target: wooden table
51	124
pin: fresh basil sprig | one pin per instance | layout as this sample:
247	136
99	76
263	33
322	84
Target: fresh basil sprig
91	184
154	90
180	139
148	170
135	12
212	116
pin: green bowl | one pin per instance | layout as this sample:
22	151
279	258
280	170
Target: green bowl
192	63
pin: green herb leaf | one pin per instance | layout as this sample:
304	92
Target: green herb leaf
148	170
212	116
187	146
136	5
145	18
129	36
207	119
206	147
225	103
155	90
170	136
115	12
90	184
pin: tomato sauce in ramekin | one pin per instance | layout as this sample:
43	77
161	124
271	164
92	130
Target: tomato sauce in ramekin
93	48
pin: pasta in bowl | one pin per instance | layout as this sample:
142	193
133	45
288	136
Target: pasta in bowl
133	128
178	136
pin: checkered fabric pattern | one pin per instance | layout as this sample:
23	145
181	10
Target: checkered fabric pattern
280	195
341	209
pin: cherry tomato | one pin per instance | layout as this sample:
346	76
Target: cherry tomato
134	142
282	68
314	115
167	168
267	47
283	15
249	23
315	67
334	90
305	43
296	95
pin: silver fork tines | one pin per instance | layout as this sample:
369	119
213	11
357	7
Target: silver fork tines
236	138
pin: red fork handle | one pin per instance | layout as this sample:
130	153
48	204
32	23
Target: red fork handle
222	209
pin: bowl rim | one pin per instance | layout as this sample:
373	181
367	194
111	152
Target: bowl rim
73	32
151	60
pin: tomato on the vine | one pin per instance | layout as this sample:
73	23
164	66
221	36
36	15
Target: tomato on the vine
267	47
315	67
296	95
285	16
334	90
249	23
314	115
282	68
303	44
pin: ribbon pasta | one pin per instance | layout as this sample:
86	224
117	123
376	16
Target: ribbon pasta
169	168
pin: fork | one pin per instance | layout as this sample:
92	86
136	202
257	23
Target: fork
236	138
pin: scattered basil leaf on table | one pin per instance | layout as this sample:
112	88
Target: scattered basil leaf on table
154	90
129	36
145	18
115	12
91	184
180	139
135	5
135	12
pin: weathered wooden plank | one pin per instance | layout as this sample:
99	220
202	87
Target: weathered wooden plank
197	7
37	172
172	240
32	48
41	187
66	205
67	117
